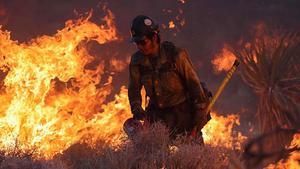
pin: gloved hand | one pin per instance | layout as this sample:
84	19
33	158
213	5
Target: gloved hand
139	113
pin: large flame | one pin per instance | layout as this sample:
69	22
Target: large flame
49	100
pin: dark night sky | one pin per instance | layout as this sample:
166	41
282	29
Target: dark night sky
208	25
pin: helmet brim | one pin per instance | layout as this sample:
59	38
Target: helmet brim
137	39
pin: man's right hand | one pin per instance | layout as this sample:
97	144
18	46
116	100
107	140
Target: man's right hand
139	113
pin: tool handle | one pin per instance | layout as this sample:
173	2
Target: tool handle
198	128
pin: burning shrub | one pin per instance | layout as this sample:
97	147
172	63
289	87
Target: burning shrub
271	67
152	149
25	160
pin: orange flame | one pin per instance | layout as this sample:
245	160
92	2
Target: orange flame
171	25
50	101
223	61
219	132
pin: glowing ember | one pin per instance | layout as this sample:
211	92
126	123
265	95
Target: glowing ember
3	15
182	1
224	60
293	161
49	100
171	25
219	132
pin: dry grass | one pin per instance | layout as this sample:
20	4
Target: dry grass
152	149
19	160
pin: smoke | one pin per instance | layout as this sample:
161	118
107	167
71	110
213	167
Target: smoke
3	14
202	27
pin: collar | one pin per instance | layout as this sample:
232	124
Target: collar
162	58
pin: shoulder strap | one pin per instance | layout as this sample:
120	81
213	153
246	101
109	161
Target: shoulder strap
171	53
170	50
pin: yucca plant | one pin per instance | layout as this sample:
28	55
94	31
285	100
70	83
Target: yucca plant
271	66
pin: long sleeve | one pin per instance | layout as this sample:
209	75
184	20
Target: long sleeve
134	88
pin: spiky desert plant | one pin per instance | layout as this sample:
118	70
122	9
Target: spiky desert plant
271	66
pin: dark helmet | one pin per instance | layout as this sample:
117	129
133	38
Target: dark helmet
142	26
132	127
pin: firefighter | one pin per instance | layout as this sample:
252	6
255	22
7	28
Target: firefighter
176	96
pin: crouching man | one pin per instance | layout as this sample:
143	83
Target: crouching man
177	97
